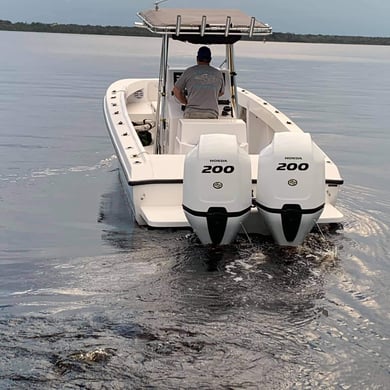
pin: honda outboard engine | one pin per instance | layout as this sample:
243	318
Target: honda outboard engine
217	188
290	192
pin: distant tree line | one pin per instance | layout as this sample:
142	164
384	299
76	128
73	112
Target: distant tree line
135	31
313	38
72	28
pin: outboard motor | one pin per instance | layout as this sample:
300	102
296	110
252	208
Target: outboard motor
290	192
217	188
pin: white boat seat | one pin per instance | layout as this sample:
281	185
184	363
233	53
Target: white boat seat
190	130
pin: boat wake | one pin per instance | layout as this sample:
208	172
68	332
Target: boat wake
367	223
164	309
105	163
16	176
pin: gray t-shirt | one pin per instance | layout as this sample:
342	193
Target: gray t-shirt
203	83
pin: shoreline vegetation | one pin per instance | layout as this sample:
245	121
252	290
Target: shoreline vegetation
6	25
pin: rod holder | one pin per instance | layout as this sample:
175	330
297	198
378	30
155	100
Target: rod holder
203	26
227	26
178	25
252	26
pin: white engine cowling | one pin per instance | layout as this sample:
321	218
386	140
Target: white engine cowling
217	188
290	192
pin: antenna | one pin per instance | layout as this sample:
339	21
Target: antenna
157	3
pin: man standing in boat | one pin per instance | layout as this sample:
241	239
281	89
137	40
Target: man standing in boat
199	87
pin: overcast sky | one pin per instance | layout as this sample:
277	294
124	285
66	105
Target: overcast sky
338	17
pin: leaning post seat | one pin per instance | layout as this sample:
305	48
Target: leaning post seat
190	130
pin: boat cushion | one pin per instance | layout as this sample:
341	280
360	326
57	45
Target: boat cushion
189	130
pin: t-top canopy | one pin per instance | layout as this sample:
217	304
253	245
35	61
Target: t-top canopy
227	23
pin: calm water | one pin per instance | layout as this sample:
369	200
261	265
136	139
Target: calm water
88	300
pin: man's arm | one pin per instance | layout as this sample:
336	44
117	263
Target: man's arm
179	95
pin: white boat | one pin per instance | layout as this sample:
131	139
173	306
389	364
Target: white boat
252	170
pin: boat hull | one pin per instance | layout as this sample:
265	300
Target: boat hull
153	182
